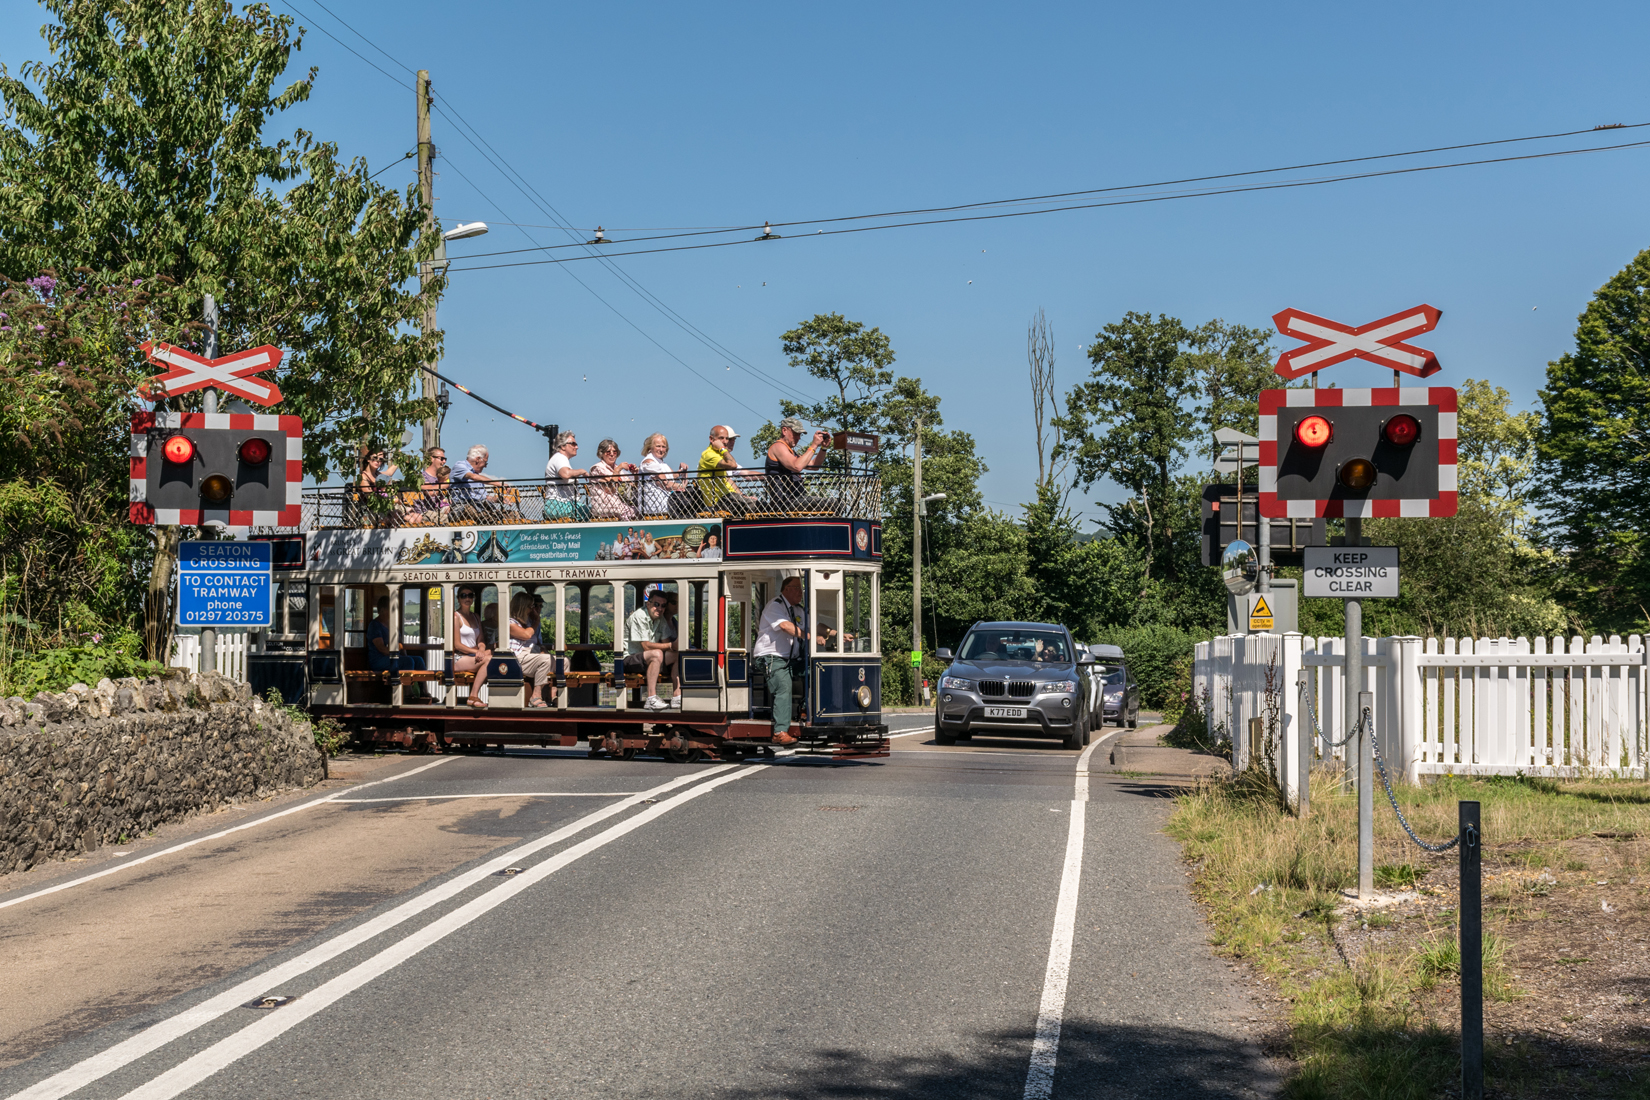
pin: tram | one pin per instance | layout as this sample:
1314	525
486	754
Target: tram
592	561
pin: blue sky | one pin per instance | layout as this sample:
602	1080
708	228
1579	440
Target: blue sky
652	115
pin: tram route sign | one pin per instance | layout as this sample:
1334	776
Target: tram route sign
1352	572
226	584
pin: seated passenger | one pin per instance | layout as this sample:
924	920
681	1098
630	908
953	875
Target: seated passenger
470	652
380	657
716	490
525	642
783	469
472	490
661	494
649	647
372	487
561	495
609	485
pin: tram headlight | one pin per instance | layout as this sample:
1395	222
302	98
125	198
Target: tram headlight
863	695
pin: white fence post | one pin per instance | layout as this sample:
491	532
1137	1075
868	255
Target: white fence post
230	653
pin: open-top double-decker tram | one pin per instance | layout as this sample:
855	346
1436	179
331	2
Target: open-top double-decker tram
586	556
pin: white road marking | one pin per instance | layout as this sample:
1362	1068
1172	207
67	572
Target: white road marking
127	865
500	794
227	1051
158	1035
1045	1046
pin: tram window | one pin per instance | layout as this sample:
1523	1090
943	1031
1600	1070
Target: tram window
856	606
736	626
297	606
828	611
328	619
487	608
412	616
355	618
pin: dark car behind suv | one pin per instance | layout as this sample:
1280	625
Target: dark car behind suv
1017	680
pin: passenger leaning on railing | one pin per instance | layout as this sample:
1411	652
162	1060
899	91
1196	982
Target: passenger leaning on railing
561	495
608	483
434	504
472	490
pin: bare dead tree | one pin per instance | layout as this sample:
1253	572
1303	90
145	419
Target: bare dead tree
1045	400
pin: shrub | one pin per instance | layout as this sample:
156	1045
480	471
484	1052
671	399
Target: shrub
24	672
1155	654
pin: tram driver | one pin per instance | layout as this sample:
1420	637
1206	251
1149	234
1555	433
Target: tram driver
781	640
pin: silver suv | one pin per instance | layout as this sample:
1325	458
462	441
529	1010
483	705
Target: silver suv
1015	679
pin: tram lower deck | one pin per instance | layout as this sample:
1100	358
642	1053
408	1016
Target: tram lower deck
392	625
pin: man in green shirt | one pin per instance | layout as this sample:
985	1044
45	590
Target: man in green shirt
649	647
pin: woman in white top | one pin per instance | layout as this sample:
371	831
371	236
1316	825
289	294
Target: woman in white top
561	495
470	652
526	644
657	484
607	482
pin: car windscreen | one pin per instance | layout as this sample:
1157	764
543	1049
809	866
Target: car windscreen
1015	645
1112	675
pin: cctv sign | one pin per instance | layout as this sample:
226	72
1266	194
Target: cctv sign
1351	572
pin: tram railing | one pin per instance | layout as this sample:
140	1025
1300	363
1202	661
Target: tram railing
621	498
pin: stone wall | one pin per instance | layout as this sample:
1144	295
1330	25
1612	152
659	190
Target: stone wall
92	766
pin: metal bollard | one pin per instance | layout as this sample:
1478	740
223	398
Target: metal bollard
1470	919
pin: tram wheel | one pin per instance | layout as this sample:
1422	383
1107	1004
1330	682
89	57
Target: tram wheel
627	753
681	756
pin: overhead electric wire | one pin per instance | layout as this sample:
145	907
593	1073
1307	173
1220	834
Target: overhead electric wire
699	231
1083	206
640	290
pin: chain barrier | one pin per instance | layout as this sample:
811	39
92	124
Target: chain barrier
1375	747
1317	730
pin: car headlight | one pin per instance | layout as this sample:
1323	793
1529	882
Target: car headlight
1114	694
956	683
1055	687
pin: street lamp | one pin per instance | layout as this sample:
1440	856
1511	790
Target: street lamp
461	231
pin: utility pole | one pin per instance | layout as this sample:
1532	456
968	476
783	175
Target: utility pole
209	404
428	269
916	563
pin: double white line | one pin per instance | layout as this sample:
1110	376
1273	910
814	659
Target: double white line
248	1039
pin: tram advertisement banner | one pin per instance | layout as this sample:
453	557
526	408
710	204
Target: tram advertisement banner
424	547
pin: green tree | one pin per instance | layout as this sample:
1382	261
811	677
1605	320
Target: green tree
138	151
1232	364
1496	453
1594	444
1132	421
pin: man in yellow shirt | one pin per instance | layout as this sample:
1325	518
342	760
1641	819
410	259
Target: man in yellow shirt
716	491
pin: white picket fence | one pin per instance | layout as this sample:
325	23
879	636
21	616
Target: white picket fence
1490	706
230	651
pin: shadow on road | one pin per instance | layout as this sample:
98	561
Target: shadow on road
1110	1060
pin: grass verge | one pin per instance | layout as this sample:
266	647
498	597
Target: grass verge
1372	998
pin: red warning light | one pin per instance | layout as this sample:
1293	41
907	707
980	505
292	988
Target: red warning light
1314	432
255	451
1401	430
178	449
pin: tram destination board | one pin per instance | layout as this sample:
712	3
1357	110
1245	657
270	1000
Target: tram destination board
225	584
1351	572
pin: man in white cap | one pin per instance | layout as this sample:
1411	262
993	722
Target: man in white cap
716	491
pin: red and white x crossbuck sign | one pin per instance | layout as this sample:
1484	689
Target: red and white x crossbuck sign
229	373
1380	342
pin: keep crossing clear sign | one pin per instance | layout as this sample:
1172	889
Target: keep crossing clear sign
225	584
1351	572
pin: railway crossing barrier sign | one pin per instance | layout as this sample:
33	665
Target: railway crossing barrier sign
225	584
1352	572
1379	342
1358	453
232	374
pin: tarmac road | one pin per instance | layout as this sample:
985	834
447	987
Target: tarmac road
936	924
